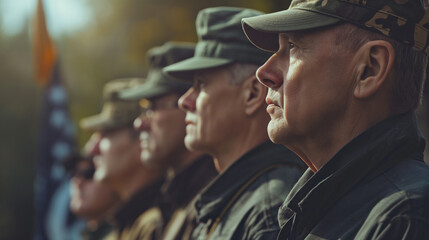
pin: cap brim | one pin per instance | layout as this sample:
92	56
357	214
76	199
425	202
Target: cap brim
263	30
146	90
185	69
96	122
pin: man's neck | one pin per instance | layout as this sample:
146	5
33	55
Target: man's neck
237	146
318	149
132	183
183	160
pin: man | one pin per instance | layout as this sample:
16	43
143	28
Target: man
162	130
344	82
89	199
118	164
226	118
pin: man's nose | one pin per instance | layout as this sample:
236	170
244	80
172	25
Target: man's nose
95	150
270	74
77	181
142	123
187	100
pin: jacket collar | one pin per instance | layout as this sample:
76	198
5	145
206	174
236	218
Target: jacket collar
138	203
214	197
368	155
180	189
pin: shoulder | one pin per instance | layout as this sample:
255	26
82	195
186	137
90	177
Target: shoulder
408	189
275	185
409	184
257	208
147	225
405	206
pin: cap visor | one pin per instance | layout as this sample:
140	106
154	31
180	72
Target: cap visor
142	91
95	122
185	69
263	30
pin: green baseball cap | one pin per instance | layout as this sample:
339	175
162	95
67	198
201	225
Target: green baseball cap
406	21
221	42
158	83
115	112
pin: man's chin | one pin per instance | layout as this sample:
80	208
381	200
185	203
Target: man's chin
146	158
274	137
191	144
276	131
100	175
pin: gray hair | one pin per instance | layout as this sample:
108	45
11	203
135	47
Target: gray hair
240	72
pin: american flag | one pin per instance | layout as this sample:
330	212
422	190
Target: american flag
53	219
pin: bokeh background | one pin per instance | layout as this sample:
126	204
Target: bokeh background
96	41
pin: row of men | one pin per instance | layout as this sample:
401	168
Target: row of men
340	91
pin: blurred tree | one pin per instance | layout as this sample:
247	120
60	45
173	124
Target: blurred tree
18	126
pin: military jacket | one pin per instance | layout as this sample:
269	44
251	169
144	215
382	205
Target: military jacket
177	196
100	232
259	182
139	218
375	187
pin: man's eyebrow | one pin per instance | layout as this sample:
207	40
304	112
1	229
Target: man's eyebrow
202	75
297	37
284	35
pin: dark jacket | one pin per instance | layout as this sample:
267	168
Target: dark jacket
139	218
376	187
103	230
253	215
177	196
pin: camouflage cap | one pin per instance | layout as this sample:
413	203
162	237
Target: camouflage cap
406	21
159	83
221	42
116	112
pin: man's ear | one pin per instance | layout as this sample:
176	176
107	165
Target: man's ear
254	94
374	66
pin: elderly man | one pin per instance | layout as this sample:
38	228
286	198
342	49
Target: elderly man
117	162
344	82
162	130
226	118
92	200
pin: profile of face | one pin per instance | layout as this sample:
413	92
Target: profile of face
162	129
212	110
88	198
309	85
116	154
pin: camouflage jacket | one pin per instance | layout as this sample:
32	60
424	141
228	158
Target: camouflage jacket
376	187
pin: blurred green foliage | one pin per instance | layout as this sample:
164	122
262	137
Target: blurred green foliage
112	45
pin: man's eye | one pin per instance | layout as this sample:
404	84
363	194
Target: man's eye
196	85
291	45
199	83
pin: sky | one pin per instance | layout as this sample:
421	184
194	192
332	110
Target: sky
63	16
